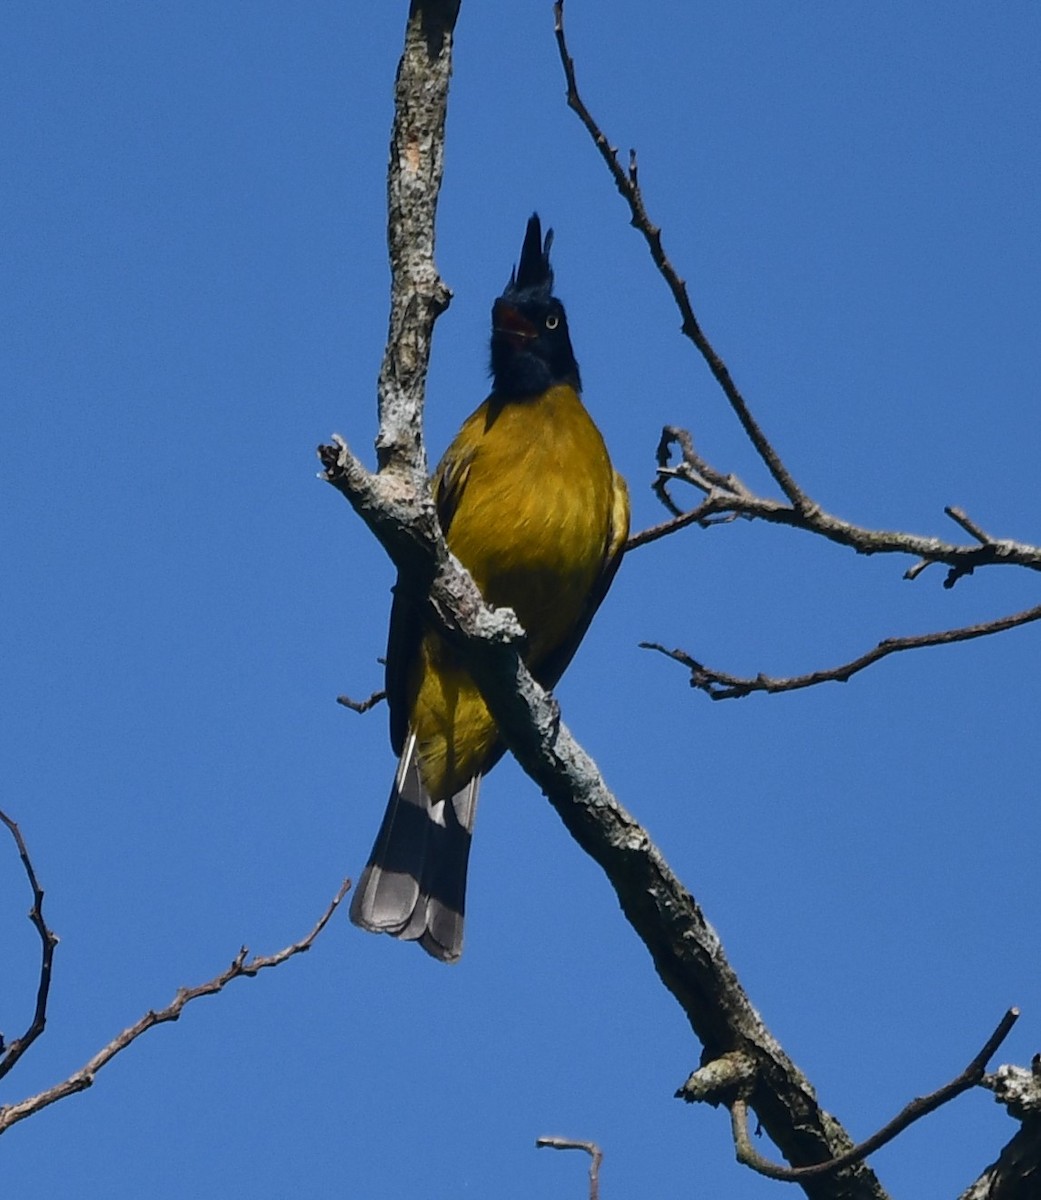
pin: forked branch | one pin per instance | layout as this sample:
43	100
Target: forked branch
920	1107
725	497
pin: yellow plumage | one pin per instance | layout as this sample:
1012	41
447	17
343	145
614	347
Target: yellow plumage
535	513
531	506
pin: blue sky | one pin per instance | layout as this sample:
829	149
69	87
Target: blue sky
195	295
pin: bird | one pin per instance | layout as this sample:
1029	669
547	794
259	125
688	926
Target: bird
532	507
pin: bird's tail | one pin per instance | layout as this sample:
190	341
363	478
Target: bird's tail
414	886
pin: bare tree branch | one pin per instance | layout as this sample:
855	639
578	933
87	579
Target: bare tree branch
628	184
727	497
591	1148
395	505
720	685
362	706
1016	1175
800	511
240	966
920	1107
48	941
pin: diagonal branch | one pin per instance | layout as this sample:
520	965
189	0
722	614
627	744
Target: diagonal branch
719	685
628	184
684	947
48	941
241	966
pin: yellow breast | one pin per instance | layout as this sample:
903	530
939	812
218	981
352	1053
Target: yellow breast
534	515
528	489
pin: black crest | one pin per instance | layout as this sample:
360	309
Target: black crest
531	348
533	275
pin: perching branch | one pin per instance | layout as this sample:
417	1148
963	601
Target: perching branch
591	1148
720	685
394	502
10	1054
240	966
1016	1175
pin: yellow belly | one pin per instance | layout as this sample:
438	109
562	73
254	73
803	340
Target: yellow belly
531	525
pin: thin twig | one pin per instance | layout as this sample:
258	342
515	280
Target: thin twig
719	685
48	941
591	1148
920	1107
959	517
240	966
628	185
361	706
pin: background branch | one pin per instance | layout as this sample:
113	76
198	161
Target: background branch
627	183
362	706
800	511
591	1148
1016	1175
726	498
720	685
241	966
14	1050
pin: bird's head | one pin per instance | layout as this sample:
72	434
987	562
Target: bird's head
531	349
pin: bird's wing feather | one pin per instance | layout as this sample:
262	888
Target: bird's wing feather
450	481
551	669
403	639
406	619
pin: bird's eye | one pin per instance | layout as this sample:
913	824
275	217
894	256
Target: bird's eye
552	321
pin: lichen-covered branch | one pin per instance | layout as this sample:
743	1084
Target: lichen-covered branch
1016	1175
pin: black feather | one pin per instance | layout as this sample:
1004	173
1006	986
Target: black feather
533	276
531	347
